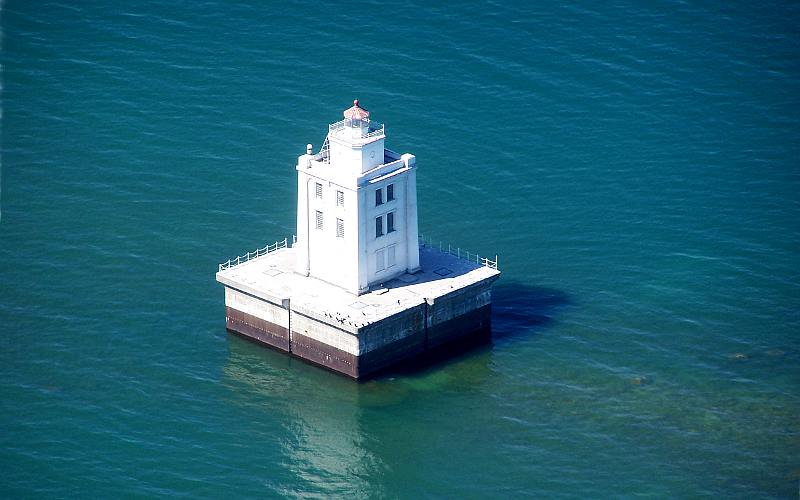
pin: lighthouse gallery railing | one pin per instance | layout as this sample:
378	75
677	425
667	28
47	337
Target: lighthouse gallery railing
458	252
258	252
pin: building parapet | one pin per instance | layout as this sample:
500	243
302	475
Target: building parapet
426	241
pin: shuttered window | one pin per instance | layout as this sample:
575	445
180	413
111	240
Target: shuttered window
319	190
319	219
379	257
339	199
339	228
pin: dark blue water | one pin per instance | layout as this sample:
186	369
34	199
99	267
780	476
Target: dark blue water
636	167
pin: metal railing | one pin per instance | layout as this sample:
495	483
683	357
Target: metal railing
458	252
325	152
373	128
258	252
374	132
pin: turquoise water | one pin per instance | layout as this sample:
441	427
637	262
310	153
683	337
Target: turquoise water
635	166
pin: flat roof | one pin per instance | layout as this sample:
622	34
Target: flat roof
272	277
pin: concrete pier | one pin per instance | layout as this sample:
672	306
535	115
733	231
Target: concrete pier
447	300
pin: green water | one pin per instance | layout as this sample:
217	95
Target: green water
634	166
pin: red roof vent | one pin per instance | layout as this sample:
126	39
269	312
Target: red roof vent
356	112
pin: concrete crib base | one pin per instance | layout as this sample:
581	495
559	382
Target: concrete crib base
469	329
447	301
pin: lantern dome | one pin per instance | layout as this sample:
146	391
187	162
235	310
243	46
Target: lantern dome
356	112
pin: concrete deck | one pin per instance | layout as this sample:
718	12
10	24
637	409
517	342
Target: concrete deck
272	277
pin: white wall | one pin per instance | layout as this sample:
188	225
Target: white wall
330	258
397	239
355	155
350	262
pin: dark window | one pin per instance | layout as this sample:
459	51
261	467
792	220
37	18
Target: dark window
390	222
390	192
378	197
378	226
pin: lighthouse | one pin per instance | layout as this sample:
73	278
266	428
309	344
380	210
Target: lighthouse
357	289
356	207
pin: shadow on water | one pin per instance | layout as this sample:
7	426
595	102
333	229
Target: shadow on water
520	310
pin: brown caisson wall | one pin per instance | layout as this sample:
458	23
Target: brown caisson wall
324	355
462	314
392	340
258	329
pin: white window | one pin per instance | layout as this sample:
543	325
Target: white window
378	197
379	264
390	192
319	219
390	222
319	190
339	199
391	258
339	228
378	226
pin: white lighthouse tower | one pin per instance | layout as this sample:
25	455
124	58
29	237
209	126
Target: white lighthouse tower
356	207
358	291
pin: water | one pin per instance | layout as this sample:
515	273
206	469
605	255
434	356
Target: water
634	166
